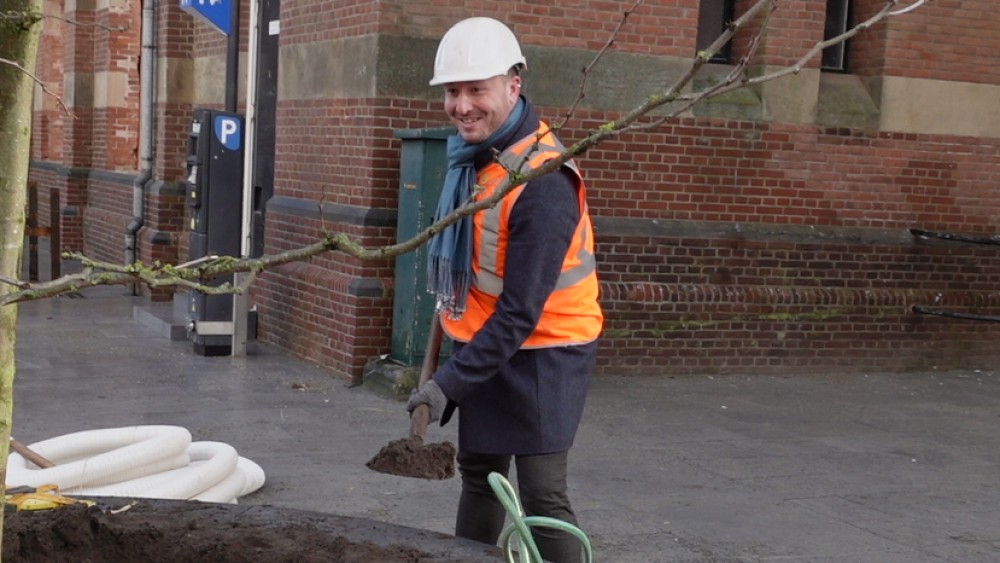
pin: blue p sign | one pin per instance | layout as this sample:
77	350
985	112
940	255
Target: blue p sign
227	131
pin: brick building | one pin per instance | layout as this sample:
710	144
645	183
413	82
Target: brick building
767	230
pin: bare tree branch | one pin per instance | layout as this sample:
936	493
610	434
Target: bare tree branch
32	18
909	8
738	72
38	82
585	71
196	275
885	13
110	28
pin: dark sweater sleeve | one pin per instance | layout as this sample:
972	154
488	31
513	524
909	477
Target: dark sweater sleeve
541	226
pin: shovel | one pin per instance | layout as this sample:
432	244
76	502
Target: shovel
410	457
29	454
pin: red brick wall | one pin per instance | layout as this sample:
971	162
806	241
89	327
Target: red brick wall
724	245
794	28
338	152
688	302
176	31
699	302
702	303
662	28
86	136
677	329
308	21
47	133
79	52
833	287
755	172
104	230
308	307
946	40
949	40
111	135
116	137
866	52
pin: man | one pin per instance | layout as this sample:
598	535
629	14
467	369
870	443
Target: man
517	292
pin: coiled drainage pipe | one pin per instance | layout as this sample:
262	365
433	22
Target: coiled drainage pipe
139	461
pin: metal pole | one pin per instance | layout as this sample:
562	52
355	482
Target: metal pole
241	301
233	57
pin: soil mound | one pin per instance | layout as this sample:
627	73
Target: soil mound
168	531
409	457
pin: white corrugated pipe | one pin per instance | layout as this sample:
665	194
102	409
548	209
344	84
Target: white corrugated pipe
141	462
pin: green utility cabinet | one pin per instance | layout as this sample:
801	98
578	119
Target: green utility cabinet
423	164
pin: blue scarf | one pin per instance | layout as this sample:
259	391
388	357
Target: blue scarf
449	261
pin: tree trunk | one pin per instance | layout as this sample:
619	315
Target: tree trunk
19	33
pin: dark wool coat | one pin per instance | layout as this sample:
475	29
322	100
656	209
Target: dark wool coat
513	401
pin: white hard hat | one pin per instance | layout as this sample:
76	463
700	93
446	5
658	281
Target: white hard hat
476	49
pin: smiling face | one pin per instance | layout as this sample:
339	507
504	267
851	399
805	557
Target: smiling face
479	108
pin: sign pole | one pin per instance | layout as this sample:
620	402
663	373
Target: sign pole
233	56
241	301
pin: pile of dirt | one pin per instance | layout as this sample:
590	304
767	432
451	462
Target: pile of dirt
169	531
410	457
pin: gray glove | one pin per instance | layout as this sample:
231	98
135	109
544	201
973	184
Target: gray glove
429	394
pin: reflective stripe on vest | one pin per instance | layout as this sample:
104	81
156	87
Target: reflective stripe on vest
514	158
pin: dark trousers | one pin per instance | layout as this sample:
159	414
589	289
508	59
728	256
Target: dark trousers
541	484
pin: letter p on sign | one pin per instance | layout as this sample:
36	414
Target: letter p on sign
227	131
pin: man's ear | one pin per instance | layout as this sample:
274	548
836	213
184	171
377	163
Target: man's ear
515	86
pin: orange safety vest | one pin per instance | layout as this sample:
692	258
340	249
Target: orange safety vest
572	314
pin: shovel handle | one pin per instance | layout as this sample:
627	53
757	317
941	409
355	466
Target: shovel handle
30	455
421	415
419	419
